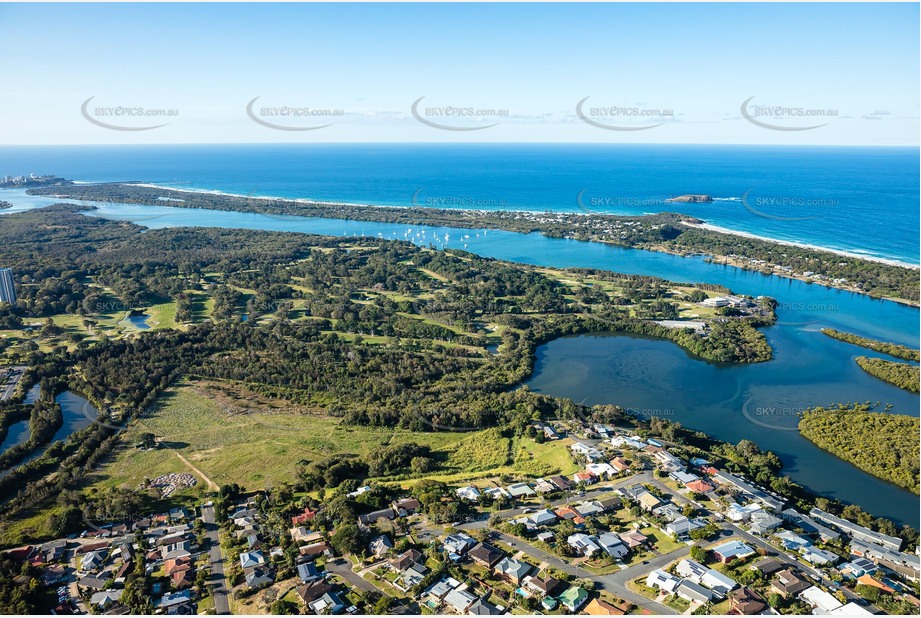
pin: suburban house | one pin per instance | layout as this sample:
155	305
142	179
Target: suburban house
814	555
544	517
763	522
307	572
633	539
731	550
302	518
249	559
495	493
620	464
597	607
405	506
372	518
469	493
485	555
792	541
822	602
258	577
612	545
692	592
518	490
405	560
459	543
588	509
681	527
788	583
610	503
483	608
583	544
602	470
648	501
585	476
709	578
379	546
699	486
329	603
590	453
513	570
570	514
300	534
313	550
545	586
459	601
574	598
809	525
560	483
665	582
745	602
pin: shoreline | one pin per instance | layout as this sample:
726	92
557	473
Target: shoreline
790	243
704	226
466	214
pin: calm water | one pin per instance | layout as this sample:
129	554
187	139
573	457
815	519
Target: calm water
809	369
16	434
77	414
842	198
136	321
732	402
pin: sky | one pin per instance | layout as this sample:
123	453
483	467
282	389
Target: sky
807	74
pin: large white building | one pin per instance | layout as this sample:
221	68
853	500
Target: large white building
7	292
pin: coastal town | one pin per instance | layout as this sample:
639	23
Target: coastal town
639	530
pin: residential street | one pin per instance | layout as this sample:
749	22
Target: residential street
216	557
343	568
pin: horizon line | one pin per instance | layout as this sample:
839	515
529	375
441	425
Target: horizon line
463	143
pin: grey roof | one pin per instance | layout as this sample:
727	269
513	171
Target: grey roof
483	608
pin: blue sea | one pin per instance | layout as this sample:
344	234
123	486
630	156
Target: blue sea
874	210
862	200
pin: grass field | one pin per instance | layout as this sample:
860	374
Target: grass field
232	435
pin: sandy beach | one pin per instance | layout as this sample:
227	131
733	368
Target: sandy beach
704	226
850	254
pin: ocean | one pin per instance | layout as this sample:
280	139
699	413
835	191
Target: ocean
861	200
809	369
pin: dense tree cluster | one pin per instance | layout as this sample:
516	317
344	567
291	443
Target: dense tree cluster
902	375
884	347
885	445
659	231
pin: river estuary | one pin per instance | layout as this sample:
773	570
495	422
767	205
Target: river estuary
731	402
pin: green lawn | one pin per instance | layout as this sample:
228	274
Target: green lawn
254	447
163	315
664	543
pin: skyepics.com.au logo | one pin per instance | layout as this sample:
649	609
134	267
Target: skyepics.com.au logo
457	118
785	117
623	118
603	203
648	413
781	208
125	117
776	417
292	117
457	201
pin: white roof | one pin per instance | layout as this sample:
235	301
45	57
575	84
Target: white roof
663	580
851	609
820	599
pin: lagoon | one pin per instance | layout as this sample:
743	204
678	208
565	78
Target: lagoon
809	368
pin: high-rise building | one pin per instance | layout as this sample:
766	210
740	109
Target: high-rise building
7	291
